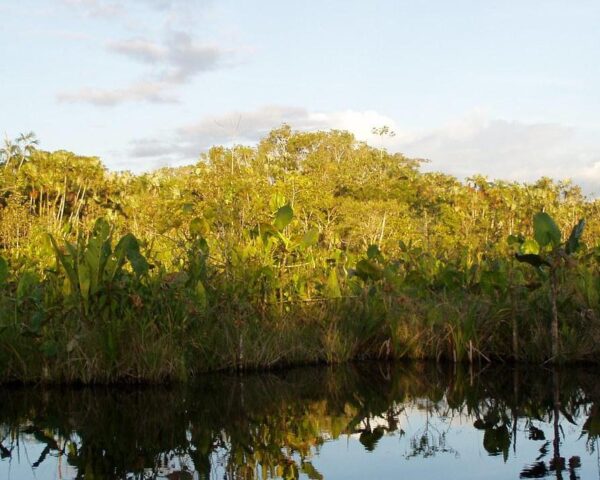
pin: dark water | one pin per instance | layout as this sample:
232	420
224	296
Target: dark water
367	421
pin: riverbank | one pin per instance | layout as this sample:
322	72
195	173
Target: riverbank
158	335
308	248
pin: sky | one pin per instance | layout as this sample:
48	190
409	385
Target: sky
508	89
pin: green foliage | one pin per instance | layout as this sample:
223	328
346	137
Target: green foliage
573	243
545	230
310	238
368	270
212	262
283	217
3	271
332	289
92	267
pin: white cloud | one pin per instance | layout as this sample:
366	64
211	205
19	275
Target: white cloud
508	149
248	127
474	144
114	8
174	62
97	8
177	59
138	49
151	92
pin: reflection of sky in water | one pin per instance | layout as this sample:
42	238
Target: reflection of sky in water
460	454
25	455
465	458
430	441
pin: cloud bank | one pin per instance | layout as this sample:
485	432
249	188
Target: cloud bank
473	144
173	60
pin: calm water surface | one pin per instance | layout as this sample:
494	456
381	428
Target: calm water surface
356	421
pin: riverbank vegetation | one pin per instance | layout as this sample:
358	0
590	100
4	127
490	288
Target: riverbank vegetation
309	247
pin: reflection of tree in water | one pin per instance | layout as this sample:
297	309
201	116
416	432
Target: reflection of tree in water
549	462
429	440
272	425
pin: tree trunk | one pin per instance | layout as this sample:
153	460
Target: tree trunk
513	317
558	462
554	332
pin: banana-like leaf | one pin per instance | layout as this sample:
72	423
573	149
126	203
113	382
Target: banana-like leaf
97	253
117	259
101	230
545	230
136	259
128	248
573	242
67	263
84	274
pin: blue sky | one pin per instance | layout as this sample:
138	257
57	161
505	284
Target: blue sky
510	89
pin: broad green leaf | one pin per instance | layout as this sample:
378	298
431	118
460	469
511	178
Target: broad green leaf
128	248
373	252
26	282
575	237
201	295
332	287
545	230
310	238
529	247
116	261
283	217
277	201
96	254
3	271
84	274
101	229
367	270
66	262
136	259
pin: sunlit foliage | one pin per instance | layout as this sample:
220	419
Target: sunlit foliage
308	247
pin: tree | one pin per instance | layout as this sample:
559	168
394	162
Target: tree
547	253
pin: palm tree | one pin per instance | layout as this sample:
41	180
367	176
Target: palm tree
19	149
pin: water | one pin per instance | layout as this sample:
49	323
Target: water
356	421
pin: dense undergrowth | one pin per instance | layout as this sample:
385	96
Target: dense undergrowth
311	247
